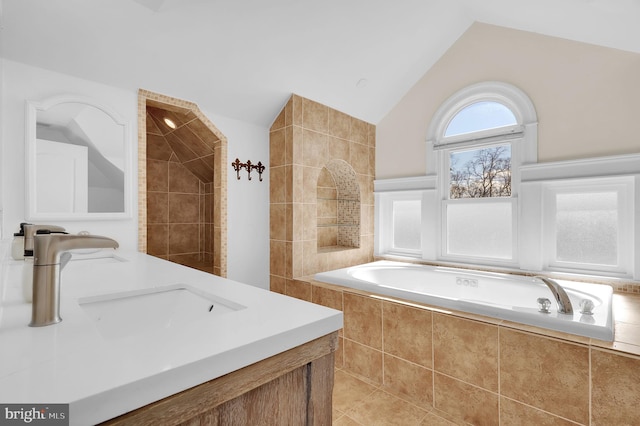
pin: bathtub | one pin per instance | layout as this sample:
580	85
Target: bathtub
502	296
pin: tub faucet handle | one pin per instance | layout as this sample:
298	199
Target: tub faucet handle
586	307
544	304
561	296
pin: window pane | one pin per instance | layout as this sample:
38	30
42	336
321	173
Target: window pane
406	224
479	116
480	229
480	173
587	228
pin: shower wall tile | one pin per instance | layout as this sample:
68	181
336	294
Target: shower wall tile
158	239
158	148
181	239
182	180
315	149
359	132
184	208
277	185
466	350
157	207
278	221
339	124
615	383
464	401
407	333
541	387
157	175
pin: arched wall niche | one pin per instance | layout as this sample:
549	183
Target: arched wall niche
175	165
338	207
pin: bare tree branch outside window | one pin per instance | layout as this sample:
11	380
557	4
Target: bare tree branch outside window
481	173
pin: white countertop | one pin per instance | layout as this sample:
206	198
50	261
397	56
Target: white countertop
100	377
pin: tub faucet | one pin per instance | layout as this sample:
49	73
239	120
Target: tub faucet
31	230
50	256
561	296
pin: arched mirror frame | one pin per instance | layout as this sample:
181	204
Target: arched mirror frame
221	206
31	117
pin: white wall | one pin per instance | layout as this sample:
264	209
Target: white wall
248	202
586	96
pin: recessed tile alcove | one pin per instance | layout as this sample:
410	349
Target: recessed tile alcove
316	153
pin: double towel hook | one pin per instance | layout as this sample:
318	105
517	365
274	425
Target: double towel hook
237	166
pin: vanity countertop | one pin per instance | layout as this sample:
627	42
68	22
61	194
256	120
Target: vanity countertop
101	377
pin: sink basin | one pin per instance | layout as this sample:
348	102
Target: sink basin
142	311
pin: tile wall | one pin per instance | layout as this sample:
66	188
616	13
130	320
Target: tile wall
184	209
305	138
478	372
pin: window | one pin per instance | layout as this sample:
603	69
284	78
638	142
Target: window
478	139
587	225
485	200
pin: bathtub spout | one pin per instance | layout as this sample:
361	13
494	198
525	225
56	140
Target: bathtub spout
564	303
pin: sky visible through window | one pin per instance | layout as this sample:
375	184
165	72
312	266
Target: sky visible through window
479	116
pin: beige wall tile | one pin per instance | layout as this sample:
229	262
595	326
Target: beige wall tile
299	289
407	333
514	413
158	239
280	120
310	184
339	148
359	131
278	258
409	381
615	393
315	148
278	221
464	401
327	297
466	350
277	185
339	124
359	158
157	175
277	148
363	320
530	367
181	238
315	116
363	361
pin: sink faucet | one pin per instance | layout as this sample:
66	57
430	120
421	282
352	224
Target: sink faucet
561	296
31	230
50	256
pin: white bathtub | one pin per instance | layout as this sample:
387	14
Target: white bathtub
503	296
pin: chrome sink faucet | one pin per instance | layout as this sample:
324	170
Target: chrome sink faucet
561	296
50	256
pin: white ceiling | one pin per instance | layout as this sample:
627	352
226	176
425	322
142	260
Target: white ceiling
244	58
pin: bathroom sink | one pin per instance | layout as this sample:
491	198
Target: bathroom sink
142	311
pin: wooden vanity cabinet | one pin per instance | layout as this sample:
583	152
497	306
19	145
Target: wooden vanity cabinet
291	388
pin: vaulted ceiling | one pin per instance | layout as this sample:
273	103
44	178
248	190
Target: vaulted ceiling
243	58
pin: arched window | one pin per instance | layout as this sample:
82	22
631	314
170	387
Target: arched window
476	143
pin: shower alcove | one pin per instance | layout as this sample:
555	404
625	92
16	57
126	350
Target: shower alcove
338	207
182	190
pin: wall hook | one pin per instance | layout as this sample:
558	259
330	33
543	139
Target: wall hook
248	166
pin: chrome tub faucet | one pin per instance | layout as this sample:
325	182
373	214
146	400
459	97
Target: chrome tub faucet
561	296
50	256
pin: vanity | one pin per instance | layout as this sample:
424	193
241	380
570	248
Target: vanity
146	341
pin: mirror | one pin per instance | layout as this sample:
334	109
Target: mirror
77	161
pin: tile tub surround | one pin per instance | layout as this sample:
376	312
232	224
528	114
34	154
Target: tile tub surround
508	373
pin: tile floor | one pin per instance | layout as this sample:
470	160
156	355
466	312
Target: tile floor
359	403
